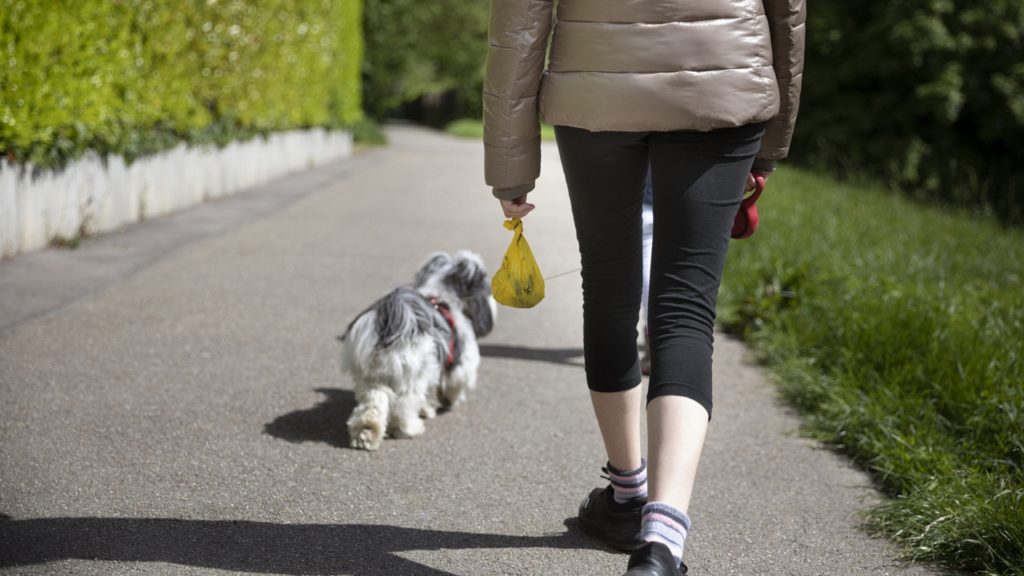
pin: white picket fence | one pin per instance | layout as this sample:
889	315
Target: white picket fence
91	196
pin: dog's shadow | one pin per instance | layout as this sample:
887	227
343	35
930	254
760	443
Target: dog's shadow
324	422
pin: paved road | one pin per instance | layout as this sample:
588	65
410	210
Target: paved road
172	404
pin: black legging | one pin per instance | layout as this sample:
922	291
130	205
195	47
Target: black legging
698	184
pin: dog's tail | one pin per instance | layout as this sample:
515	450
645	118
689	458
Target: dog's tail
397	318
404	313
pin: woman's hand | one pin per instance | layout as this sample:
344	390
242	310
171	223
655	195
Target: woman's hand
752	183
517	208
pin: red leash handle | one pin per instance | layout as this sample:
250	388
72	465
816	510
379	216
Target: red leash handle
746	218
759	183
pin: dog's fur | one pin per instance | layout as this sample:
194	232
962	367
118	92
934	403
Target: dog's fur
396	350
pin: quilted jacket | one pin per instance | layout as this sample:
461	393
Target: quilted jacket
636	66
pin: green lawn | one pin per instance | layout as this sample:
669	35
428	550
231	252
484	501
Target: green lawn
898	330
470	128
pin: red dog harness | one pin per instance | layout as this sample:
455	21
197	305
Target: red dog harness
446	313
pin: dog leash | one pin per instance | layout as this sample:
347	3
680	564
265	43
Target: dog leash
560	274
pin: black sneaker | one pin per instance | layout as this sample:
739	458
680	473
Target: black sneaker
617	525
654	559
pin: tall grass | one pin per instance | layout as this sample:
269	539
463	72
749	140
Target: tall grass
898	330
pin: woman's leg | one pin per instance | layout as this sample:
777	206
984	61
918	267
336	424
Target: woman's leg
605	174
698	182
618	417
676	426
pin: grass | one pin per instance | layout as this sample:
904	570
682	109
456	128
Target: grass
66	243
471	128
898	331
368	133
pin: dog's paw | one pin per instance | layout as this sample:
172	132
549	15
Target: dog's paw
454	397
366	438
427	412
403	428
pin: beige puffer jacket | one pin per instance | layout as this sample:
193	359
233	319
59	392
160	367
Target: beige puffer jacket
637	66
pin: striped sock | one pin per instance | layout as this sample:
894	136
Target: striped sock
667	525
627	486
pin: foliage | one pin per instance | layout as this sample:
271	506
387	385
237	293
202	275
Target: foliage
472	128
367	132
466	128
134	76
416	48
927	95
899	331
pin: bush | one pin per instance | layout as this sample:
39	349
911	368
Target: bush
417	49
899	331
926	95
134	76
367	132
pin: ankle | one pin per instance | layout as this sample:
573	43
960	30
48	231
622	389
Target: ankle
628	486
667	525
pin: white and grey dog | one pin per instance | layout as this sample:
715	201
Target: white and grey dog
415	350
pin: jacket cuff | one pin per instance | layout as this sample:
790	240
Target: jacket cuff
513	192
762	165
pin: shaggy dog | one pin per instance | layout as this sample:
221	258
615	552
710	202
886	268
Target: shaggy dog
415	350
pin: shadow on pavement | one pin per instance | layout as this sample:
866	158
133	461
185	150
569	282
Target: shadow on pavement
324	422
246	546
564	356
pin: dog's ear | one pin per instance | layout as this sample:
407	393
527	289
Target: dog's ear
480	313
467	276
437	262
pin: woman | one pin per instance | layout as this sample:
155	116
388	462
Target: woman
703	92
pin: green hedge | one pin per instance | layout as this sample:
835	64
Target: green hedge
135	76
416	48
927	95
899	331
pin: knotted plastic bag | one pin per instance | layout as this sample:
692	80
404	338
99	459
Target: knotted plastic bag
518	282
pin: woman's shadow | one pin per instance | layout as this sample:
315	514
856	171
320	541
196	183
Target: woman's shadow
245	546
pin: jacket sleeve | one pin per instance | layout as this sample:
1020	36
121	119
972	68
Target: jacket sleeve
786	19
518	38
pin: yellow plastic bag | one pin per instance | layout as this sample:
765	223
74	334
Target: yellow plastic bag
518	282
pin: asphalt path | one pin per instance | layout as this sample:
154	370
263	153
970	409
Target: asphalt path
172	402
